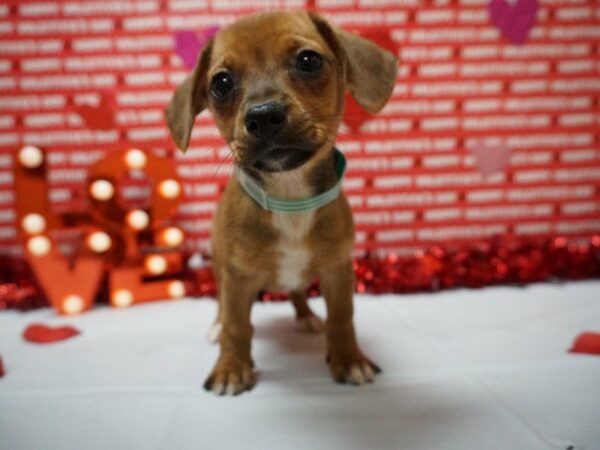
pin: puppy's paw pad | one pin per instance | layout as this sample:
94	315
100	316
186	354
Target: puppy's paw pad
309	324
231	380
214	332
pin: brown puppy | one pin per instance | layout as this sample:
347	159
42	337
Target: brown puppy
275	85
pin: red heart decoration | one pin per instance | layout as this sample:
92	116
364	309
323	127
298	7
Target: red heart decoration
381	38
43	334
354	114
100	117
2	372
490	159
587	342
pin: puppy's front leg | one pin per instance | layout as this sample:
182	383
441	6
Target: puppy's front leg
346	361
233	372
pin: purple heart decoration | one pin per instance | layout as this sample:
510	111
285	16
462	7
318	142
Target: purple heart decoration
514	19
188	44
490	159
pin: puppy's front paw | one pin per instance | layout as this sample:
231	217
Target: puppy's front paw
231	378
356	370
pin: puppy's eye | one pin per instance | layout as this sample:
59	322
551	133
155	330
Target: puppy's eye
222	84
309	61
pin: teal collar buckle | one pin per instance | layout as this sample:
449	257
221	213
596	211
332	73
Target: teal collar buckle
268	203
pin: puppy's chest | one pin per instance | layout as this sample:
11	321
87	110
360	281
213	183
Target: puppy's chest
292	249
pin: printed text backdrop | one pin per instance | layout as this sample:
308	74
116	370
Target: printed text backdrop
468	102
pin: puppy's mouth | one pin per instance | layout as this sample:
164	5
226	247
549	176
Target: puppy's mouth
281	158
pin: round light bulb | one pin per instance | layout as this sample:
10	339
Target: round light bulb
33	223
135	159
102	190
39	245
169	188
156	264
73	304
138	219
99	241
31	156
122	298
176	289
172	236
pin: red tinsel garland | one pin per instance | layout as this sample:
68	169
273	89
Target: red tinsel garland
501	260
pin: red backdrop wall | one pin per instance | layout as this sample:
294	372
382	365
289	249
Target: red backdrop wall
466	96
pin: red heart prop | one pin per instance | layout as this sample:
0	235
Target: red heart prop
2	372
43	334
100	117
587	342
354	114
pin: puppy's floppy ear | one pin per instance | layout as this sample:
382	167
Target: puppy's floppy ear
370	70
189	99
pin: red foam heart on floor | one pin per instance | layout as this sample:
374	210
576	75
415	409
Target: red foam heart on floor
587	342
2	372
43	334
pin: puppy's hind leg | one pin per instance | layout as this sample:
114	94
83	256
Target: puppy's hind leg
306	320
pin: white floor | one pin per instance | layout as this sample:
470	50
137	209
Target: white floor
463	370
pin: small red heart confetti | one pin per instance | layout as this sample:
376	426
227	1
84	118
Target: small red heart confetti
587	342
188	44
490	159
2	372
43	334
100	117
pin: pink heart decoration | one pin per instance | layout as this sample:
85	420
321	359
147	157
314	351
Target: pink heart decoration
490	159
188	44
100	117
514	19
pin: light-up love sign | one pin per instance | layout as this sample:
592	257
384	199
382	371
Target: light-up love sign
138	248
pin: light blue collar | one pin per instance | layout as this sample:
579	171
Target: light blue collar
268	203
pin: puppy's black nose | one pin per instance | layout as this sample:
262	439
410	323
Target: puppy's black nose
265	120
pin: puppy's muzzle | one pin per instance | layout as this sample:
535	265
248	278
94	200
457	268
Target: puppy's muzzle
275	145
265	120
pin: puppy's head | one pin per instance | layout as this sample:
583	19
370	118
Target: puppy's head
275	84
